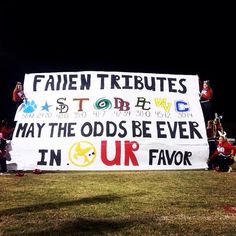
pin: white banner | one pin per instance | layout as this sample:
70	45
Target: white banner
95	120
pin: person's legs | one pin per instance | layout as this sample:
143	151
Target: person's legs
225	163
3	164
215	163
212	148
204	111
207	111
229	163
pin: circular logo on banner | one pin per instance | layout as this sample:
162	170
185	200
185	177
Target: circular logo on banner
82	154
102	104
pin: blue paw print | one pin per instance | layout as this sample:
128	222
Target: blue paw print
29	106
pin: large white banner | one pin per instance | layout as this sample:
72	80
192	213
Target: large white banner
98	120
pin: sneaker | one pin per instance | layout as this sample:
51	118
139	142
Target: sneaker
230	169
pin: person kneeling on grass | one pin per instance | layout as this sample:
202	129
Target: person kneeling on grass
223	157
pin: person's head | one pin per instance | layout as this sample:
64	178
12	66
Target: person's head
222	139
206	83
210	123
19	85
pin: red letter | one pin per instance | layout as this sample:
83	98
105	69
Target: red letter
129	152
116	160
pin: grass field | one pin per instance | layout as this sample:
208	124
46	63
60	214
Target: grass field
119	203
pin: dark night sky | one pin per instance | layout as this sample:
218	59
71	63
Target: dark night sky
194	39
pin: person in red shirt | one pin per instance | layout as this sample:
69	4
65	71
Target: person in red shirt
18	95
205	100
223	156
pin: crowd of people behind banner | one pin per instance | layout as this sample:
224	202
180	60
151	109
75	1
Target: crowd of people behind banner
221	152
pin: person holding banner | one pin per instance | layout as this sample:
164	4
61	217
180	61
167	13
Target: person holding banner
223	157
206	95
18	95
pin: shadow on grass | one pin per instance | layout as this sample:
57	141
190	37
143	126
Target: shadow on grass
57	205
87	226
79	226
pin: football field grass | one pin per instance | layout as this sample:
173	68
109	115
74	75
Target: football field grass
119	203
